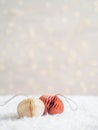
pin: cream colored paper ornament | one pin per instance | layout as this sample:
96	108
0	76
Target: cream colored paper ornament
30	107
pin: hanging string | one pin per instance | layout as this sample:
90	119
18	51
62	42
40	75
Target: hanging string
16	95
67	99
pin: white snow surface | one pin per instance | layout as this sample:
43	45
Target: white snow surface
85	118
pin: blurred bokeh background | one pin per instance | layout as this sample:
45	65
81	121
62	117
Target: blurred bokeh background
49	46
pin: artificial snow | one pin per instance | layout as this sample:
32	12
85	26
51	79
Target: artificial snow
85	118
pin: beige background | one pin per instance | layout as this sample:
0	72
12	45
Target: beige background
49	46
